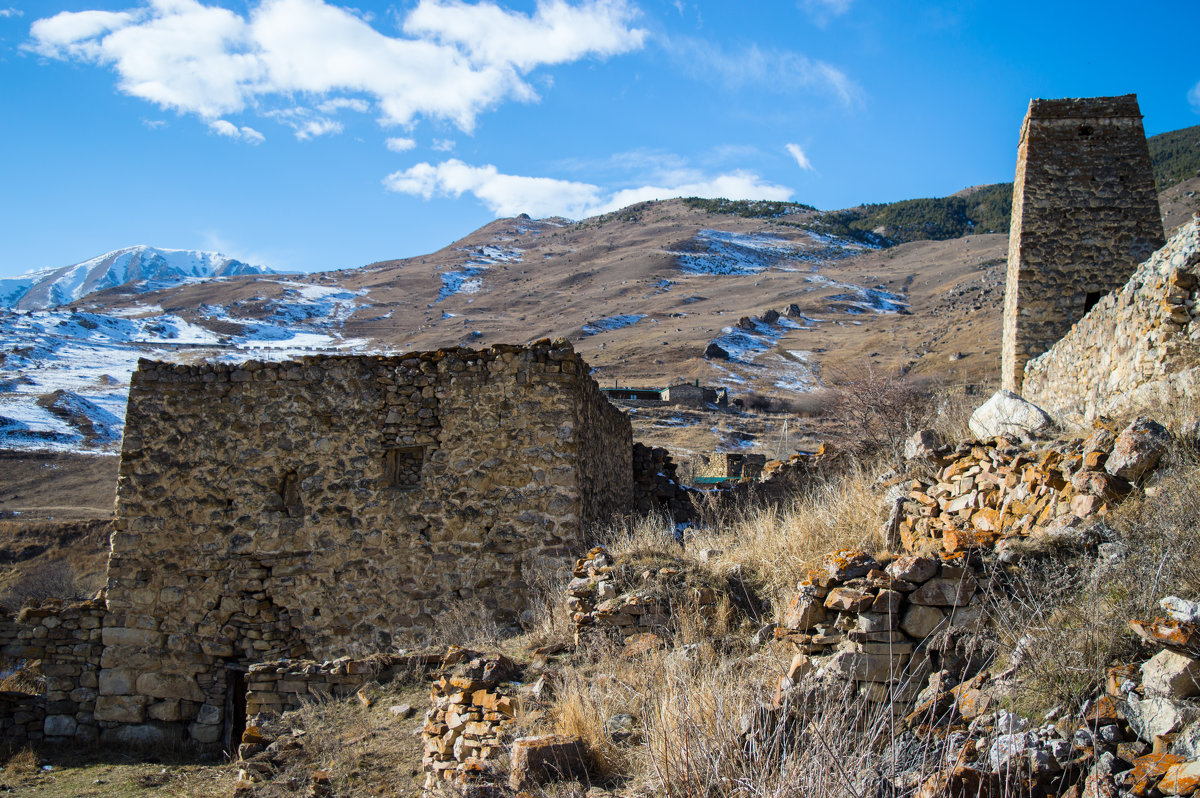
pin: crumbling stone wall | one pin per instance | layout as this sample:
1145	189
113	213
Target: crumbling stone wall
656	484
318	508
1138	348
1084	213
66	639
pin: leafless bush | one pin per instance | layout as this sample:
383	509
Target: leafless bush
57	579
880	410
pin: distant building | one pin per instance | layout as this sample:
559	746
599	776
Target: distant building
729	465
687	394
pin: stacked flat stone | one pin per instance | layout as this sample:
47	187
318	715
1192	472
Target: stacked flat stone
599	604
467	726
656	484
1138	347
67	639
869	623
985	492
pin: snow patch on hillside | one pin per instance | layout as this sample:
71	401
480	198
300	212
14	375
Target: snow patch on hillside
719	252
611	323
468	277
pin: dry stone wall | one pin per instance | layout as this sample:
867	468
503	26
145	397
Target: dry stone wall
1138	348
318	508
1084	213
67	642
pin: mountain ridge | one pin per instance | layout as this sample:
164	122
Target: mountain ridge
140	268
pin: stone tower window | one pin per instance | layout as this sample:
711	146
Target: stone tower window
402	467
1085	131
1091	299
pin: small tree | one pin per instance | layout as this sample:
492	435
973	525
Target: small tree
880	410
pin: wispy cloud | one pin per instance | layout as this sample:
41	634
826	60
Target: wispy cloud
10	12
225	128
399	144
509	195
454	60
442	145
798	154
822	11
768	70
1194	97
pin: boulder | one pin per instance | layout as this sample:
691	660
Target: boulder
1181	779
1171	675
912	569
1005	413
715	352
1151	717
1181	610
920	622
849	564
1138	449
551	757
804	613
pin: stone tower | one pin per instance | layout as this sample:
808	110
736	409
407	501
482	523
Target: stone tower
1084	214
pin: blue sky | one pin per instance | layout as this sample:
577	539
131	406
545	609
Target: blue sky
315	134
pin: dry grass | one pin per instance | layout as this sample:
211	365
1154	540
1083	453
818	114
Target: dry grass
776	545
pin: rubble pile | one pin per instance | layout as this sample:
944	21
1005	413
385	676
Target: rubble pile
1141	737
982	493
636	608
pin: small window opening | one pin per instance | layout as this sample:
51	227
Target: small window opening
289	489
402	467
1091	299
1085	131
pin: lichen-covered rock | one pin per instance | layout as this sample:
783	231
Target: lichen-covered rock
1137	449
547	758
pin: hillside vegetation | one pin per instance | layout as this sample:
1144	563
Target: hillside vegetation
1175	157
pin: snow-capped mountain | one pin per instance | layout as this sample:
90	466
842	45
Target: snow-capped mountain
141	268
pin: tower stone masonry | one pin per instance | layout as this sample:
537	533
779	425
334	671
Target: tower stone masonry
1084	214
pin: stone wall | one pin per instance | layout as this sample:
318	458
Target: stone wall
320	508
1138	348
1084	213
656	484
67	642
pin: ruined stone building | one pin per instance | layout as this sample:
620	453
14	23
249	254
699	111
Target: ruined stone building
315	509
1084	214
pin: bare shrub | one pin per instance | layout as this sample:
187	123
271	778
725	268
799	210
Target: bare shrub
57	579
879	410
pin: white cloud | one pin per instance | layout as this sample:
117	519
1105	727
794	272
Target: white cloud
11	12
822	11
397	144
769	70
344	104
442	145
509	195
801	159
1194	97
454	61
224	128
